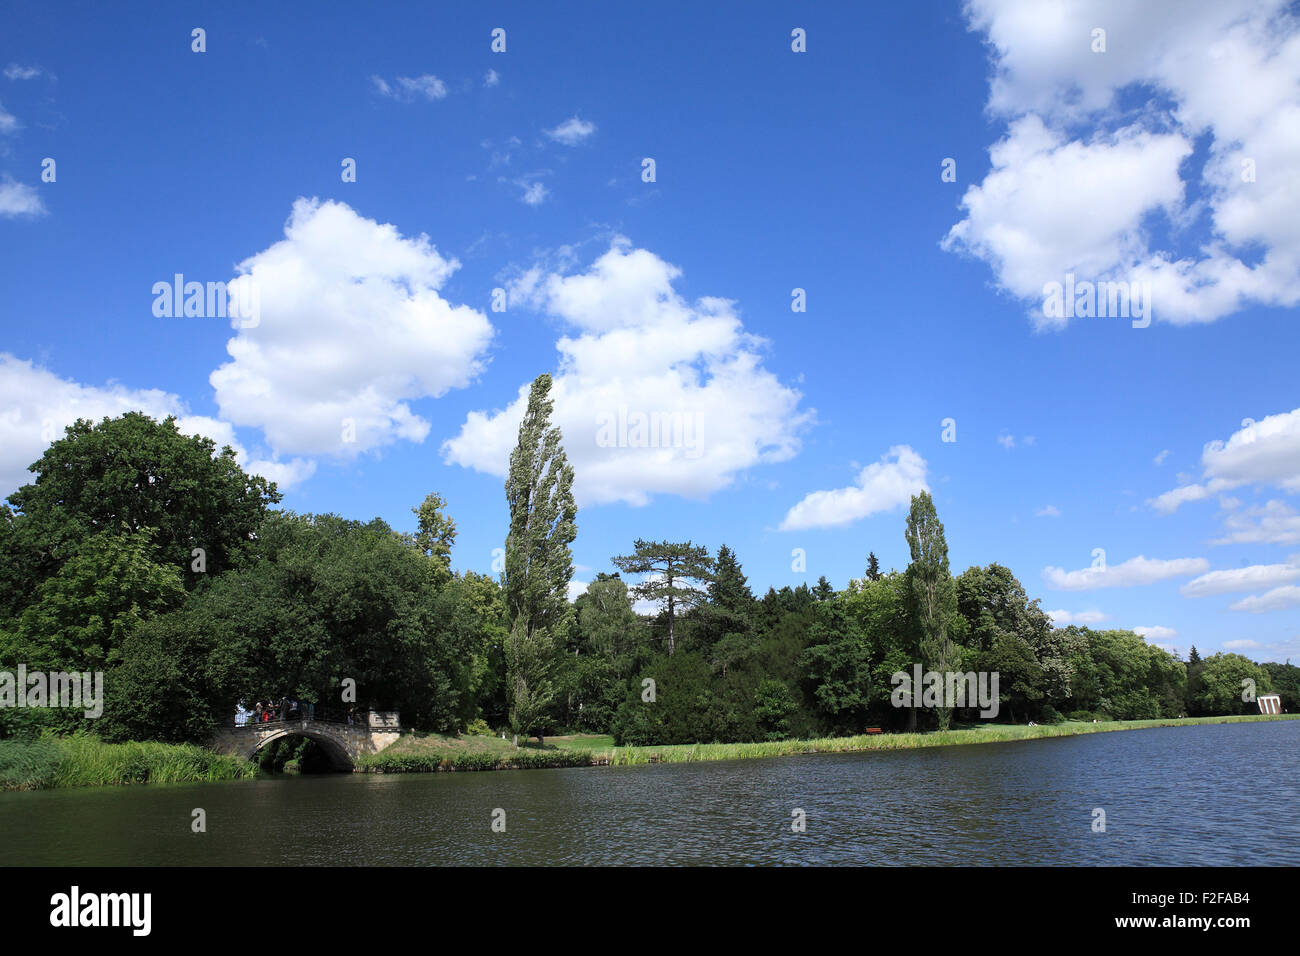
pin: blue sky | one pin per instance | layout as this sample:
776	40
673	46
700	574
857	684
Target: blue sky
775	170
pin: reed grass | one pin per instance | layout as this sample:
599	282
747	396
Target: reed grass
81	760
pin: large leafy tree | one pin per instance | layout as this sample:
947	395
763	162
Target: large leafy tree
1222	687
837	665
129	473
538	558
1010	634
435	532
671	567
931	592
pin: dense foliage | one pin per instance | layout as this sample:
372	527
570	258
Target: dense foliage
99	574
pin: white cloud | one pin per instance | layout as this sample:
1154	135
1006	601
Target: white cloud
1051	511
407	88
491	78
881	486
1155	633
1272	523
37	405
535	193
1131	573
1264	452
1243	644
1160	458
1278	599
8	122
638	350
351	329
572	131
15	71
19	199
1066	618
1080	169
1251	578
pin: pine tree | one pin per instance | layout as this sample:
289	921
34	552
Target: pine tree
729	588
538	560
823	591
672	566
873	567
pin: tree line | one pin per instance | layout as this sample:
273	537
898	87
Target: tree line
153	557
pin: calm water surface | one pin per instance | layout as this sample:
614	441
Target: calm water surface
1213	794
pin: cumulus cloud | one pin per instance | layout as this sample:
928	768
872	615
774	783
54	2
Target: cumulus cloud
1097	147
15	71
8	122
1253	578
1051	511
351	329
1155	633
654	394
407	88
572	131
881	486
491	78
1264	452
1131	573
1271	523
38	405
18	199
1278	599
1066	618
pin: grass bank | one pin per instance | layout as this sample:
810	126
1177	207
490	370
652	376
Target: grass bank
986	734
428	753
84	761
417	753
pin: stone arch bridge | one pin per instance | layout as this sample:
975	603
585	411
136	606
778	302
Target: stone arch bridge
343	741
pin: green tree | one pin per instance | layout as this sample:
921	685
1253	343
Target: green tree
773	705
931	592
436	532
538	559
131	473
1223	684
873	567
837	666
671	566
728	587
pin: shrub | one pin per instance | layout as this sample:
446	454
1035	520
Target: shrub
1051	715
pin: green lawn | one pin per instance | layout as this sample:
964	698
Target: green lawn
418	752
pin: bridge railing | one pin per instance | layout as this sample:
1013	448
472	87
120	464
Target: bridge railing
365	719
317	714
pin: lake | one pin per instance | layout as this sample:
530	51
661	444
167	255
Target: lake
1218	794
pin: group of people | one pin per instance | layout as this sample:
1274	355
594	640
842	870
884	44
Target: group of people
285	709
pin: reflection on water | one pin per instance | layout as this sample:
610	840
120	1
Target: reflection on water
1213	794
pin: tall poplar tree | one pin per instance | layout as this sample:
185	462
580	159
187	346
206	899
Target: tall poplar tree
931	594
538	559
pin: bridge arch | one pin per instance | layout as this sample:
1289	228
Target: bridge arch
335	749
343	741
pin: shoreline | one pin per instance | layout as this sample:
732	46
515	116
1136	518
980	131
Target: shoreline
80	761
435	760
